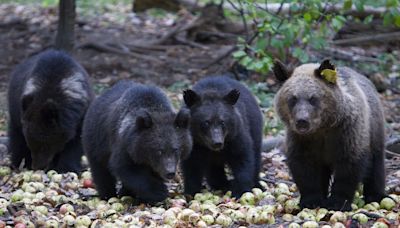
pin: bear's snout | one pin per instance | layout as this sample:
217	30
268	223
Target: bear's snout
302	125
217	139
170	175
302	117
169	168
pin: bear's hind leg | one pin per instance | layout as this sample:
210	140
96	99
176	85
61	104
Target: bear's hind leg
193	169
374	180
18	148
257	168
305	175
141	182
241	161
69	160
104	181
326	175
347	176
216	177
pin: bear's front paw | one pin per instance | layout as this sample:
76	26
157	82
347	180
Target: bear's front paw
338	204
237	191
374	197
192	189
154	195
311	202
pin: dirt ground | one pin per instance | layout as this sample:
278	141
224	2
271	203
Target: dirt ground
26	30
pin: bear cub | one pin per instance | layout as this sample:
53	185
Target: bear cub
227	129
334	133
48	97
132	134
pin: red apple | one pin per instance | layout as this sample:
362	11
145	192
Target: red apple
88	183
20	225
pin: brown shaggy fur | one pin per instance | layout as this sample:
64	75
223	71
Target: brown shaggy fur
333	130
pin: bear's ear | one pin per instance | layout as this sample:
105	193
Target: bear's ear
232	97
143	120
190	97
326	71
50	110
26	101
280	71
182	118
326	64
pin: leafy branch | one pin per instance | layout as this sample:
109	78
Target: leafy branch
289	31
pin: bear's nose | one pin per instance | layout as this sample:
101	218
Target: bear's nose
302	124
170	175
217	144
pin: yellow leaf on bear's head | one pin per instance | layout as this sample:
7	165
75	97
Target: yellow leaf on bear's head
329	75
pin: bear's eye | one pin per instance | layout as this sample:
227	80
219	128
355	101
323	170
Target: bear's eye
292	101
313	100
222	123
206	123
159	152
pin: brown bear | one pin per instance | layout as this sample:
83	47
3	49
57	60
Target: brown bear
334	133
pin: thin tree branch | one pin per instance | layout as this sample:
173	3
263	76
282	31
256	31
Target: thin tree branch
242	15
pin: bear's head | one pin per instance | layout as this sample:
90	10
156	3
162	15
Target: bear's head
214	116
47	124
158	139
308	100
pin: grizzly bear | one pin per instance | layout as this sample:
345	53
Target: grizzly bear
227	127
48	97
334	133
132	134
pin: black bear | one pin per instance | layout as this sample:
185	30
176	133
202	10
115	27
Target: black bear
227	129
334	131
132	134
48	97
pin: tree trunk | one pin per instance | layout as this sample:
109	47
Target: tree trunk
66	22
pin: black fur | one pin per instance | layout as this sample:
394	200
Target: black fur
132	134
227	130
44	125
325	64
280	71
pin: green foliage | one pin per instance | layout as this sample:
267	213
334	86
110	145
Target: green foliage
272	124
89	8
44	3
262	92
307	26
100	88
179	86
85	7
47	3
3	122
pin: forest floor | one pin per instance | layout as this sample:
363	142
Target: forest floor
28	29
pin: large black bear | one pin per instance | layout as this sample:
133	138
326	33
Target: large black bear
334	127
227	129
132	134
48	97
